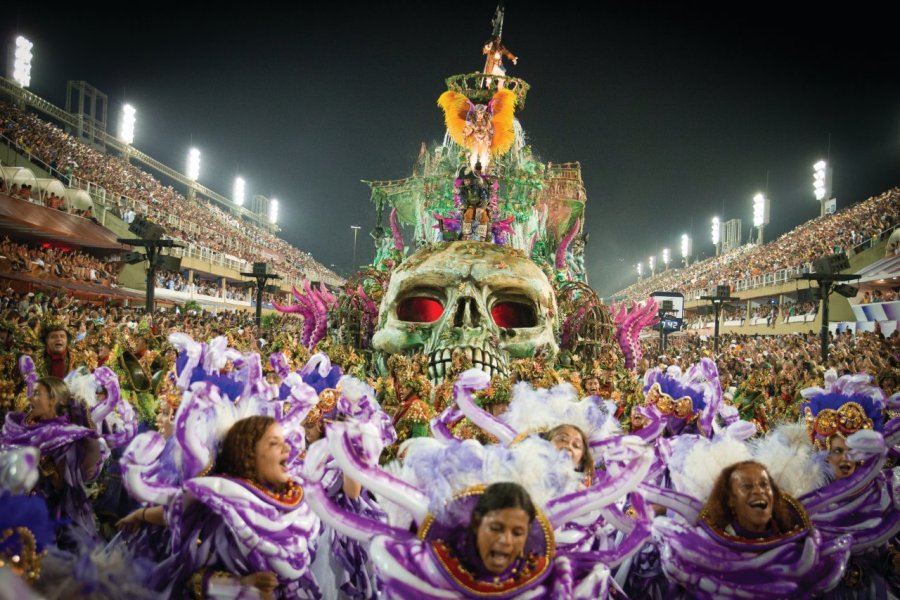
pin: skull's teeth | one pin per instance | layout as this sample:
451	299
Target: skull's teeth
481	358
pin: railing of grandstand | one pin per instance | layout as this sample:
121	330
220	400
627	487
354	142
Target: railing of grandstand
869	242
100	196
34	159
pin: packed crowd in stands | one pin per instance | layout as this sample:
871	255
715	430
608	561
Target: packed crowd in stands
877	295
198	223
785	363
56	262
178	282
861	224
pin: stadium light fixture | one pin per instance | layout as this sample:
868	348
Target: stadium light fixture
273	211
239	187
640	269
126	124
665	257
716	230
759	210
685	245
651	262
820	180
22	61
193	164
760	215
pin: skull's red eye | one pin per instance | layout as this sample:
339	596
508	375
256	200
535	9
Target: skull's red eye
420	310
513	314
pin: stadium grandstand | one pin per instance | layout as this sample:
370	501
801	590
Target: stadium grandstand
68	192
763	279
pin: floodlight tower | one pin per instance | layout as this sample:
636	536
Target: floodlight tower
22	62
239	187
193	170
760	215
273	211
640	271
686	249
716	234
665	257
822	184
652	264
126	128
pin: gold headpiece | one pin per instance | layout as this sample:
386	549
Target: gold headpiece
327	401
846	420
683	408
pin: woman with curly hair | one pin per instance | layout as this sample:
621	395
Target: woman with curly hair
245	526
72	452
746	503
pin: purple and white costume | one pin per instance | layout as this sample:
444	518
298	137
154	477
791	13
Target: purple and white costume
434	492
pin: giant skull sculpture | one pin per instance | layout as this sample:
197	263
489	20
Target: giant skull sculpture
486	299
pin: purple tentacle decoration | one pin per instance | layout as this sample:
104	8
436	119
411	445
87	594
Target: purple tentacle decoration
469	382
629	324
313	306
564	245
370	314
571	324
29	374
636	459
373	478
395	230
501	229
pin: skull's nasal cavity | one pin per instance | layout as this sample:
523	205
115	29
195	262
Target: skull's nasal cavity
467	314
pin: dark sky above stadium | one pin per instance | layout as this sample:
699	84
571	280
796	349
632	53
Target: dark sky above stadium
677	112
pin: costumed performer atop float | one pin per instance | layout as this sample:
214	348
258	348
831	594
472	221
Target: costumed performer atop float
436	493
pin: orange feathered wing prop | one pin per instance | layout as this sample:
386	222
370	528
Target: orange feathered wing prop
456	109
502	106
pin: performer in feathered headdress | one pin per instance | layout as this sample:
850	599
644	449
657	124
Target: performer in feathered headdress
485	130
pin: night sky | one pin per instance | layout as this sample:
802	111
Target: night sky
674	111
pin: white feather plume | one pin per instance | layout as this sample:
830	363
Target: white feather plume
533	410
702	461
789	457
